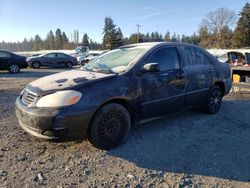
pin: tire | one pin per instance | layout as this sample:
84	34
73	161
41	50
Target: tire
69	65
109	127
214	100
14	68
36	65
83	63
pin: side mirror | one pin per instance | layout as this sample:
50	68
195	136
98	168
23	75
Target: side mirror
151	67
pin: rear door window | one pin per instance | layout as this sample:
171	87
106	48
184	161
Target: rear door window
194	56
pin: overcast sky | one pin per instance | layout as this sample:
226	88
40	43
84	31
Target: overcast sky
21	19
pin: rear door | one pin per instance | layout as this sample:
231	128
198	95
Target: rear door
200	74
49	60
163	92
62	59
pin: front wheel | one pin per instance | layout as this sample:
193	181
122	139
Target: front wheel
14	68
35	65
109	127
214	100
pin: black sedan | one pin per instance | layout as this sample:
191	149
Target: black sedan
54	59
120	88
11	61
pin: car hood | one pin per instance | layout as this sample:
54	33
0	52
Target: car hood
65	80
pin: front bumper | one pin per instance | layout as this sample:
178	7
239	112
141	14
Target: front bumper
53	123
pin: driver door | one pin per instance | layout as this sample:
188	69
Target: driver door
164	91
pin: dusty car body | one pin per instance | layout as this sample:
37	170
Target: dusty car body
120	88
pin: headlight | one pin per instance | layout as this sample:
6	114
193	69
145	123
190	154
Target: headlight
60	99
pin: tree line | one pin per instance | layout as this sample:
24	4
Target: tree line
213	32
56	41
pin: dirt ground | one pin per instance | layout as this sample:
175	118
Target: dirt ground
186	149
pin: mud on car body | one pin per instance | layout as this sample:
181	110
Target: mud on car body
122	87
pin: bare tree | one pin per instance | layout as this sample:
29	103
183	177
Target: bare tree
217	21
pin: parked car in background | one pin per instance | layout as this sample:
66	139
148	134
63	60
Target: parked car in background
11	61
89	57
123	87
53	59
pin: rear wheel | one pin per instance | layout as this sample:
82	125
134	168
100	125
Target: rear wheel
14	68
110	126
69	65
36	65
214	100
83	63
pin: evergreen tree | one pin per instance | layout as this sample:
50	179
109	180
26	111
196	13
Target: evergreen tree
37	43
133	38
126	41
152	36
167	37
112	36
174	38
58	39
205	37
85	40
65	41
94	45
226	38
178	38
119	37
147	38
25	45
195	39
50	40
241	35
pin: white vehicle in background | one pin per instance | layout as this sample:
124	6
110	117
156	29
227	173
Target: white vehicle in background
80	53
89	57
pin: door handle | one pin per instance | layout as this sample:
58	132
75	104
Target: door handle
180	76
210	70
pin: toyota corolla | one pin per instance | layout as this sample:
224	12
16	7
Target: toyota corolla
121	88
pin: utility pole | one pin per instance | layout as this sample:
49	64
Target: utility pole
138	32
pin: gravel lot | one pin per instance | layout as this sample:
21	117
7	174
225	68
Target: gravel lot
187	149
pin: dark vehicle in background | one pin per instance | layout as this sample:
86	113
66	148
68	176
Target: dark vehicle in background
11	61
53	59
123	87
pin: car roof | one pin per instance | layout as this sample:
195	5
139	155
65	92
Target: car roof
2	50
53	52
157	44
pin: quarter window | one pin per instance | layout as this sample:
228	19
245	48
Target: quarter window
166	57
61	55
51	55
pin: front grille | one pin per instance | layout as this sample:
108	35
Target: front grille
28	97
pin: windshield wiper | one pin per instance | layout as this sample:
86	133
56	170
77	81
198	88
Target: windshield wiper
98	69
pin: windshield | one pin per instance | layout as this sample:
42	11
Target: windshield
115	61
